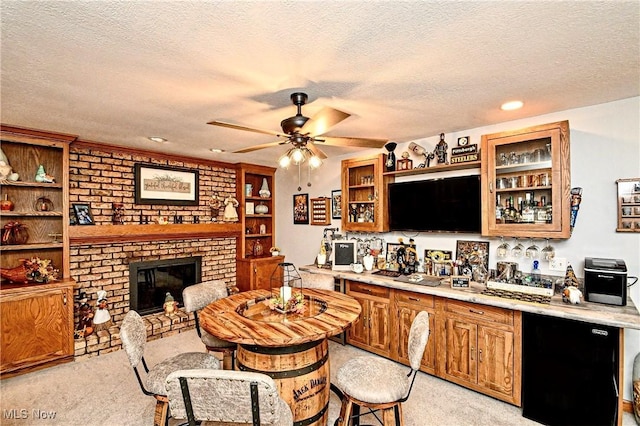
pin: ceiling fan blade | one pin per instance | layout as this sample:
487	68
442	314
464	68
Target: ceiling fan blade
349	141
322	121
248	129
261	146
316	151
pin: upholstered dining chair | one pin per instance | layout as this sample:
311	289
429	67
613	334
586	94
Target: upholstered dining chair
197	296
319	281
133	334
380	384
226	397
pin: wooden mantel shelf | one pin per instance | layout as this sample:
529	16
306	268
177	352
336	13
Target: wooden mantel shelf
123	233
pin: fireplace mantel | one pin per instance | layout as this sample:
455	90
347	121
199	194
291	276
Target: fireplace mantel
79	235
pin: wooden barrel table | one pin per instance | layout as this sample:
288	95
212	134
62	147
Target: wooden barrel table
290	348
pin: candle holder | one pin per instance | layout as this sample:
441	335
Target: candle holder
286	290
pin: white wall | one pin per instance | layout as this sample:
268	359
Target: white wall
605	146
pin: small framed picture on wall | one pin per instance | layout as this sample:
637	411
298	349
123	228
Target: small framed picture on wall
301	209
336	204
83	214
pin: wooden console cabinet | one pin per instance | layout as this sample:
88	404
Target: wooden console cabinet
36	326
254	274
476	346
372	332
482	348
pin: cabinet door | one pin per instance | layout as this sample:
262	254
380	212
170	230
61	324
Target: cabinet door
461	347
379	326
496	360
358	332
406	315
364	195
34	328
526	182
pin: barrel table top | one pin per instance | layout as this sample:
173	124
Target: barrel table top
246	318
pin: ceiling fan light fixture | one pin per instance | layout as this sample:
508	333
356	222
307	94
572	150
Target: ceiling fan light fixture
298	156
284	161
315	162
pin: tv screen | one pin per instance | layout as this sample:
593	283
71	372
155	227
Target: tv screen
437	205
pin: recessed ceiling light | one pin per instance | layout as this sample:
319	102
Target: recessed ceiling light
157	139
216	150
511	105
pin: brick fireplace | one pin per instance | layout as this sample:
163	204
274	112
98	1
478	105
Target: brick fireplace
101	176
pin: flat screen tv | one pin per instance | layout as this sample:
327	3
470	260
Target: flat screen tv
437	205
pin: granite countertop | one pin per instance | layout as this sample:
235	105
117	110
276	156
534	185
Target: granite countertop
597	313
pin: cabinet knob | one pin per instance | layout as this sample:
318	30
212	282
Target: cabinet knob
415	299
473	350
475	311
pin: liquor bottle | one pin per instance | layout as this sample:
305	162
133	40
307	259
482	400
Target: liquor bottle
510	213
540	212
499	210
549	210
527	213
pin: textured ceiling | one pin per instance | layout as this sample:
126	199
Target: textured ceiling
118	72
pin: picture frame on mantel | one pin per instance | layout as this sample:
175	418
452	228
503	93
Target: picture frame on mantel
164	185
82	214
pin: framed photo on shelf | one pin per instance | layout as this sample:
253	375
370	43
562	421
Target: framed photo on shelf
250	208
301	209
336	204
83	215
470	255
165	185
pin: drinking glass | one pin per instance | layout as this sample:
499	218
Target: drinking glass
548	252
518	249
533	251
503	249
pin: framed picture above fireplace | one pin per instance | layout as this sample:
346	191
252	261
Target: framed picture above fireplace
165	185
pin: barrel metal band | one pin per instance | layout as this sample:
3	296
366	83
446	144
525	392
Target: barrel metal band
289	373
281	350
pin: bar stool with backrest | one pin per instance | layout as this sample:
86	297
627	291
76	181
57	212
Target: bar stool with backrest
222	397
197	296
377	383
133	334
319	281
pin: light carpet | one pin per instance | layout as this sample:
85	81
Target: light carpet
103	391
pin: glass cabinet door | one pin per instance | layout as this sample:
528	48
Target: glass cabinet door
364	199
526	182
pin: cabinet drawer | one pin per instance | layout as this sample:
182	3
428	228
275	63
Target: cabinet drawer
368	289
415	298
480	312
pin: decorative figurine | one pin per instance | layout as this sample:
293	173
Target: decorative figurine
390	164
571	295
85	318
264	189
170	306
42	176
230	214
441	150
118	214
102	317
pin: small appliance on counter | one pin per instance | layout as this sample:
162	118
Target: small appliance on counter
605	281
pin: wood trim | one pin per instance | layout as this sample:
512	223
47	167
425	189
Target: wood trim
156	155
79	235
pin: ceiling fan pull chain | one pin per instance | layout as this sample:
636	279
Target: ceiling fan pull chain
309	176
299	187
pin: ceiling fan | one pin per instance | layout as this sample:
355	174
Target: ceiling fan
304	132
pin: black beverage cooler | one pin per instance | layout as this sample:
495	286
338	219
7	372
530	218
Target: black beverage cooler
569	371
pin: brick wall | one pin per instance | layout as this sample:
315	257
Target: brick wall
101	176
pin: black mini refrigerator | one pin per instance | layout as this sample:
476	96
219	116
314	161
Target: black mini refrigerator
569	371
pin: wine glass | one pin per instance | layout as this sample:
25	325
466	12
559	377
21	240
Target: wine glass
548	252
518	249
503	249
533	251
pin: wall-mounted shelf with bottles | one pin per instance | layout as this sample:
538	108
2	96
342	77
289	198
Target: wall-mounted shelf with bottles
628	205
435	169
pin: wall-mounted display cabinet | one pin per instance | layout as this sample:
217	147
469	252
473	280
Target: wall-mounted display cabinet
628	205
526	182
364	194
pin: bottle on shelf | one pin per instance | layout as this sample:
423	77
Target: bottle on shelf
527	212
499	210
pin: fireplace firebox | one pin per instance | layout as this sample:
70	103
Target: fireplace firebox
150	281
